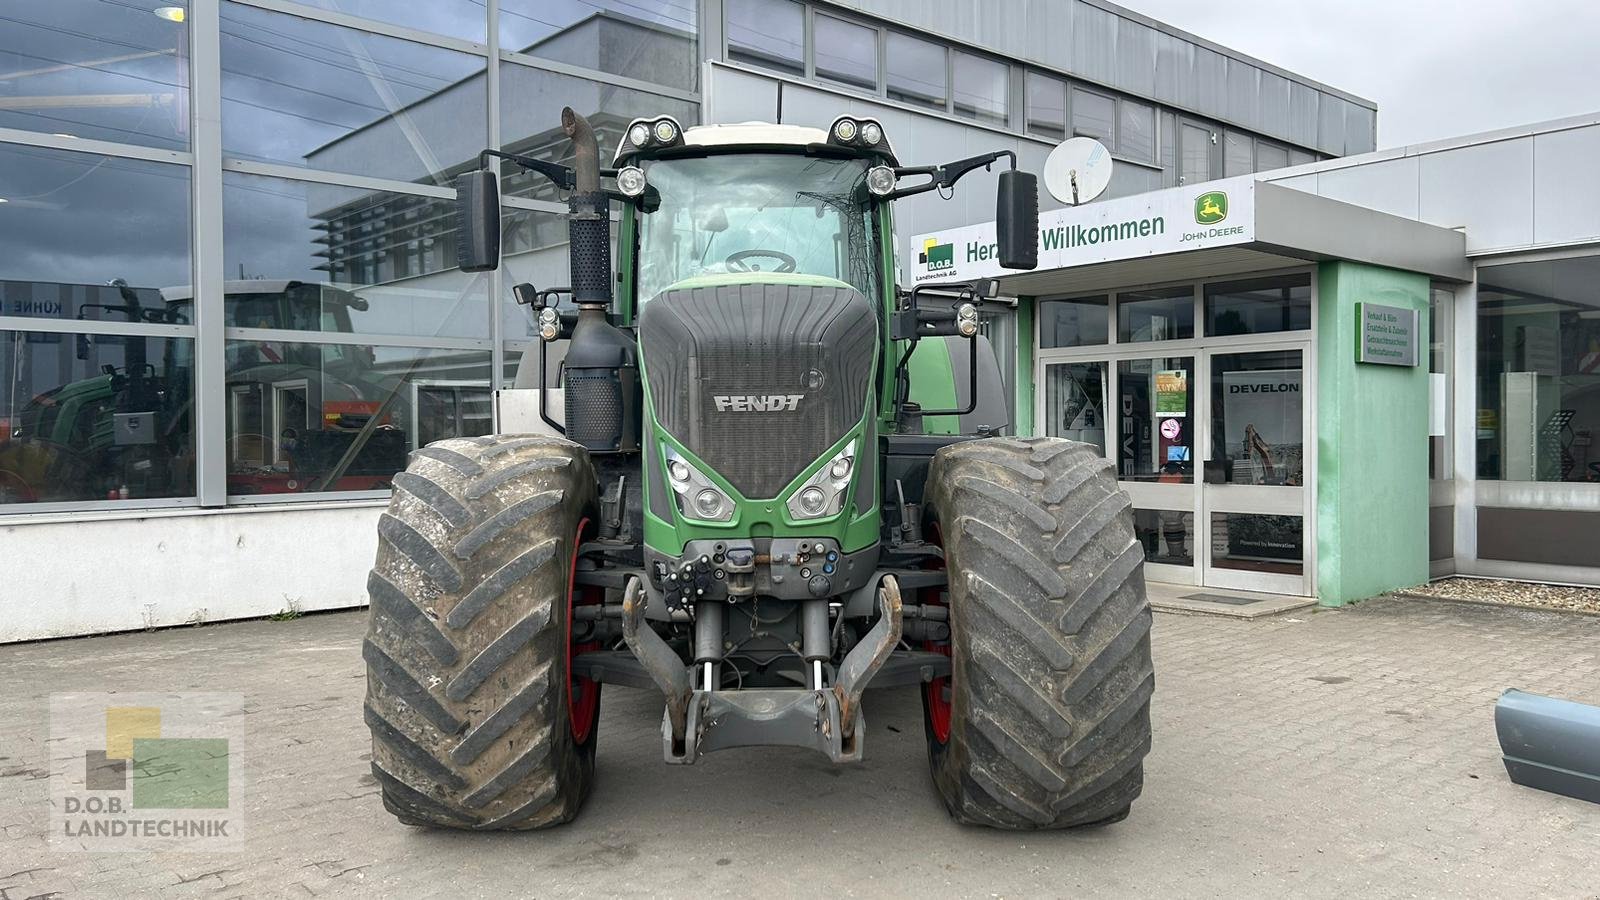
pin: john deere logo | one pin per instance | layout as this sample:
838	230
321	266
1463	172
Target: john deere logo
935	256
1211	207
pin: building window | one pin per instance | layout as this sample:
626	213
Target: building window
1047	106
1441	332
1258	305
651	40
462	19
1136	131
1238	153
101	71
1539	371
982	88
1074	321
1094	115
1270	156
1075	402
1164	314
768	33
846	53
916	72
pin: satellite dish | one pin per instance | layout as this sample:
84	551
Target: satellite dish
1077	170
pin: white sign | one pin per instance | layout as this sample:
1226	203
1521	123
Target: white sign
1214	214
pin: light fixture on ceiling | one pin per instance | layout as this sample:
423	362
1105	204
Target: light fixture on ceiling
171	13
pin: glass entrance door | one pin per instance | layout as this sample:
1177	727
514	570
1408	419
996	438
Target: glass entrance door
1253	501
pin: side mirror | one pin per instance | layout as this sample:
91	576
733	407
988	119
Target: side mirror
478	226
1017	219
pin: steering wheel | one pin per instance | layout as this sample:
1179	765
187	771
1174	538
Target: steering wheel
736	261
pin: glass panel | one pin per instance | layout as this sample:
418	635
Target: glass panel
95	417
1163	314
305	93
1075	402
758	212
846	53
1249	542
1136	131
1237	158
1195	147
1167	535
983	88
1256	423
533	249
1259	305
916	71
768	33
530	120
1154	421
1539	371
1047	106
1000	327
1301	157
1441	317
1270	156
456	18
315	257
315	443
72	223
1094	115
105	71
1073	322
1169	150
651	40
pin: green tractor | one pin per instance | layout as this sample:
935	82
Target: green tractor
745	499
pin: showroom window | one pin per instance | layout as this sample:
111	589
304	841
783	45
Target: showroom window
1539	371
655	41
1074	321
1258	305
768	33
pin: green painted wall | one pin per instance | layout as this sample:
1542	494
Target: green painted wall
1024	374
1372	442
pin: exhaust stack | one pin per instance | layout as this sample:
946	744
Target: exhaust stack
589	216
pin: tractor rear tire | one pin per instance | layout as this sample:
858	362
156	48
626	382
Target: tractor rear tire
1045	721
467	647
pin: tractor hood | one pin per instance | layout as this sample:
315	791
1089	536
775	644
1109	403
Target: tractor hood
757	375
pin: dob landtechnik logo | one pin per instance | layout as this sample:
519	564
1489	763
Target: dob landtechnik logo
143	771
1210	208
936	256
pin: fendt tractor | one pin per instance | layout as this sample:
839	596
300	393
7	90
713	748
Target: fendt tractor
746	492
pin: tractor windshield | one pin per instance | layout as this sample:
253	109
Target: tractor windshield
757	212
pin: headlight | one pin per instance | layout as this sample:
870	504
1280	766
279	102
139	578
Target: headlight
871	133
630	181
697	497
823	493
549	323
880	180
639	134
845	130
666	131
967	320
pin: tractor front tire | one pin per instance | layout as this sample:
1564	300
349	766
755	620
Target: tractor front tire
1045	721
469	694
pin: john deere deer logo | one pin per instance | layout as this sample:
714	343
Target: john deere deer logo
1210	207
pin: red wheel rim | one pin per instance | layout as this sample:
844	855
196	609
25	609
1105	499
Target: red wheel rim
937	692
583	694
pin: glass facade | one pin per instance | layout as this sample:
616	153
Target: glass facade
348	337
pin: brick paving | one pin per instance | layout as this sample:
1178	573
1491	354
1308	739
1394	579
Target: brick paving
1328	753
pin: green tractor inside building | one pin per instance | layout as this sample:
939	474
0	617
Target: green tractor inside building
751	500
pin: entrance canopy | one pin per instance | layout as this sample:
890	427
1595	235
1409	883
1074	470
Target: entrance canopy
1224	227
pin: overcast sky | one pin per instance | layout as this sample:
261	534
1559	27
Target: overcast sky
1436	68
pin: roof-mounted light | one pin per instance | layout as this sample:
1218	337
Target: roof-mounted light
880	180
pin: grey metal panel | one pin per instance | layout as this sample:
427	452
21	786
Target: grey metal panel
1550	744
741	97
1094	43
1330	124
1303	114
1189	265
1550	536
1298	223
1210	83
1274	106
1136	57
1566	186
1049	34
1441	532
1244	94
1360	129
1174	81
1389	186
1488	188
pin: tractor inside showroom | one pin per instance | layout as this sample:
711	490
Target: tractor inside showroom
749	492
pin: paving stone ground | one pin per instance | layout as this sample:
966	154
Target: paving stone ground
1334	753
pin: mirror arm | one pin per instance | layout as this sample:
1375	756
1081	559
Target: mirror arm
562	176
947	175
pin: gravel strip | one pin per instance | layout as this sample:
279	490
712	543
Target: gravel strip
1513	593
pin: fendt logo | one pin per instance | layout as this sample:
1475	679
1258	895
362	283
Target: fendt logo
1210	208
757	402
936	256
